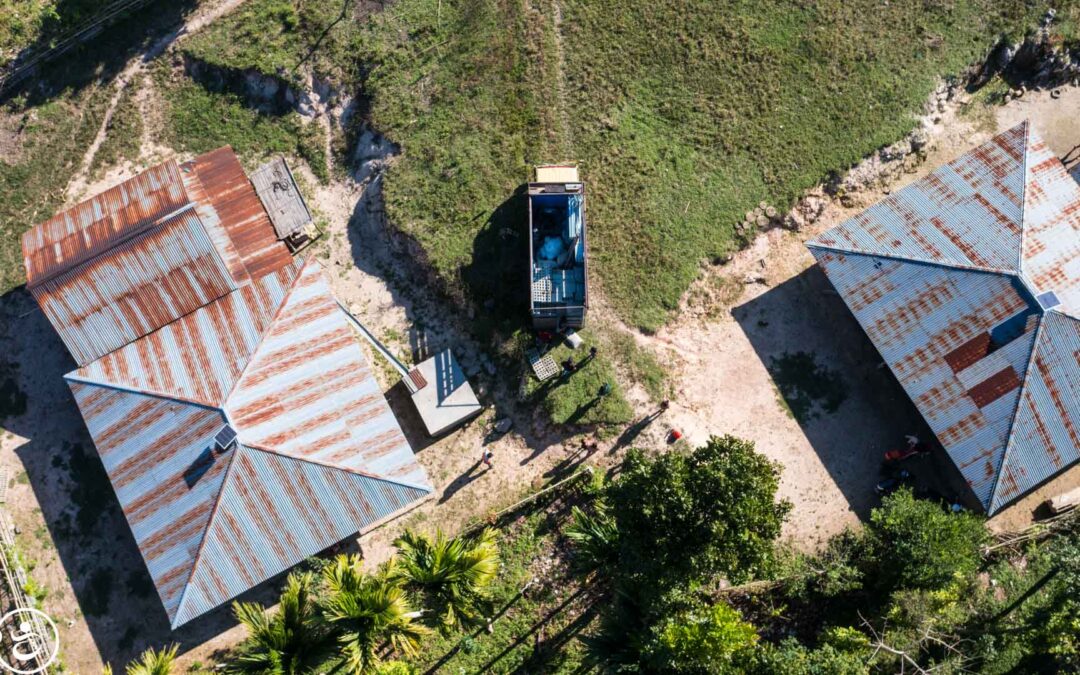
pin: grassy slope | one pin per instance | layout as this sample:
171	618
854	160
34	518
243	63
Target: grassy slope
273	37
458	89
684	115
53	138
24	23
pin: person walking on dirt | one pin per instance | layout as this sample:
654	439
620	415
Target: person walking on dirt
486	458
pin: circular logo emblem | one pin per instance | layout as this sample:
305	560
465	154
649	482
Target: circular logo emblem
29	641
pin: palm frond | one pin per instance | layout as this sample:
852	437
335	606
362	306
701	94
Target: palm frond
153	662
595	537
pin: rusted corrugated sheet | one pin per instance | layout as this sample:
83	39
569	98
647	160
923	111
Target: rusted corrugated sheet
1046	434
1052	227
99	223
211	525
139	286
967	213
309	392
198	357
957	319
223	185
273	513
147	444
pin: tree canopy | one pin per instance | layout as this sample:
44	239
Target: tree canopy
691	515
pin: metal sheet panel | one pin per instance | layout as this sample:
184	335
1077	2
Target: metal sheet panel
308	391
995	374
273	513
141	285
99	223
968	213
200	356
1046	433
147	444
1051	227
226	188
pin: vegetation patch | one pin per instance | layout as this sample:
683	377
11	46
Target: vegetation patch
199	120
807	387
277	37
123	135
640	363
683	115
590	395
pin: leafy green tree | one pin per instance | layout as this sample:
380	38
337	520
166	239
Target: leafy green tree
688	516
595	538
920	545
154	662
291	640
454	573
366	610
702	640
1062	631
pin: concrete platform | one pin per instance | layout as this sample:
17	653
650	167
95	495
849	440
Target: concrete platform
445	399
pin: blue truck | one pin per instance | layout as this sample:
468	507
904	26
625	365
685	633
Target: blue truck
557	249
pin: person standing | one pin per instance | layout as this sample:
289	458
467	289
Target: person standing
486	458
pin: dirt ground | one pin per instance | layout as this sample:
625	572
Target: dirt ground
773	302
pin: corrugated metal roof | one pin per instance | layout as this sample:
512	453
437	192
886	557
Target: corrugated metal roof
144	253
321	456
147	445
99	223
217	179
935	276
198	357
308	391
141	284
273	512
177	300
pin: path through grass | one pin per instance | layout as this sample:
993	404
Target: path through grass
684	115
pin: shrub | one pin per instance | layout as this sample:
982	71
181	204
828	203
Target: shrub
919	545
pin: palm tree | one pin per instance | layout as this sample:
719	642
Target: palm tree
290	641
454	573
153	662
367	610
595	537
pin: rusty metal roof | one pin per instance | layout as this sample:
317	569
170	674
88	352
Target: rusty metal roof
320	455
968	284
231	405
142	254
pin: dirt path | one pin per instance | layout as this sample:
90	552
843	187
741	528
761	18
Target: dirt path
131	72
566	131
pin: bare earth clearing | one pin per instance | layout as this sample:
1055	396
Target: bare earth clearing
772	301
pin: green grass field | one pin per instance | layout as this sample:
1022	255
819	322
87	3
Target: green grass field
683	115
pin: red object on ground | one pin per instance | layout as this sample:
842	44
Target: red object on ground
675	435
910	451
